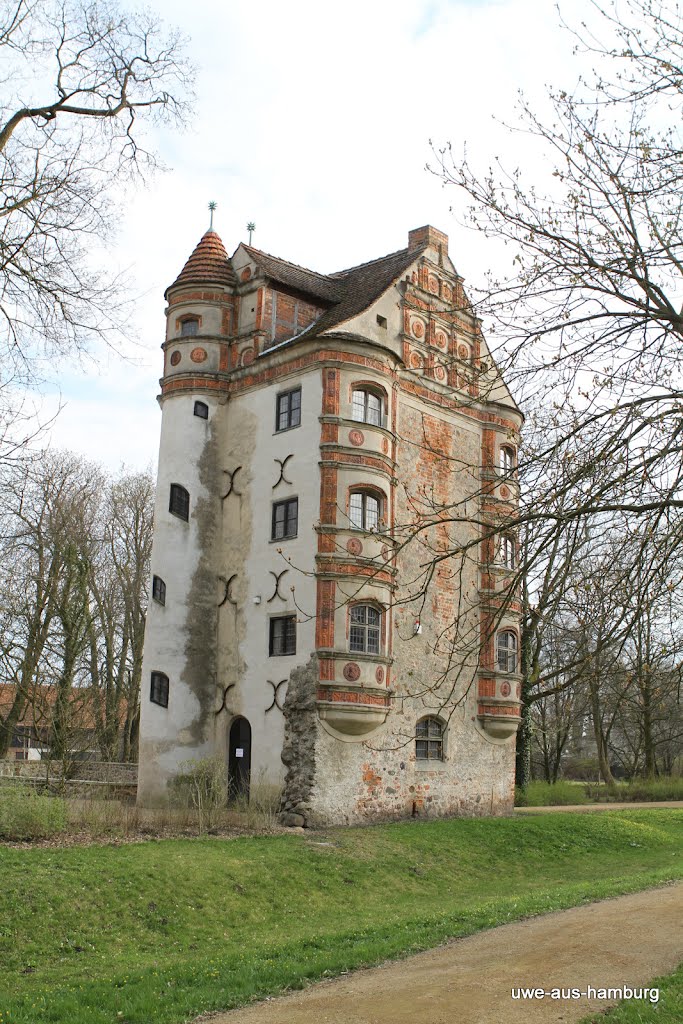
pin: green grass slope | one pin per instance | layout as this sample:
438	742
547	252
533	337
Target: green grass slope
159	932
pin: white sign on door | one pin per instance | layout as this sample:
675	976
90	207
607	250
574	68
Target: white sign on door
239	752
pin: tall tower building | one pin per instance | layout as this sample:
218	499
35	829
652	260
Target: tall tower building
333	604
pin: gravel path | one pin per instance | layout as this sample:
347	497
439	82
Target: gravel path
623	941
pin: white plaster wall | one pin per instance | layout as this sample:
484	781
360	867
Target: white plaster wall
164	742
253	694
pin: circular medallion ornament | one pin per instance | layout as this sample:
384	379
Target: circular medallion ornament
379	674
415	360
246	274
351	672
463	352
175	358
385	446
441	339
447	292
356	437
440	373
198	355
247	357
504	492
354	546
434	285
385	553
418	328
505	690
519	689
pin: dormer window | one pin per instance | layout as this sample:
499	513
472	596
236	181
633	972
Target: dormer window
189	327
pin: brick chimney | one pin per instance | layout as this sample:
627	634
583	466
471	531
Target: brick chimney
428	235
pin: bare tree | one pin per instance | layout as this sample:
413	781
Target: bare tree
73	588
81	81
591	321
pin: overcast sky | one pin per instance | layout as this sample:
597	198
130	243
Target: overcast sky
314	120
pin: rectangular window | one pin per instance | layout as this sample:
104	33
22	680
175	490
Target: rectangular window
365	629
366	407
158	589
158	693
285	519
429	740
282	636
288	410
179	502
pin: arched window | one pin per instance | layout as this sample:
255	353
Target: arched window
158	693
506	651
189	327
365	510
366	406
429	739
179	502
507	460
365	628
506	551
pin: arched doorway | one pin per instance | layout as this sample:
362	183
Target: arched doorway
239	759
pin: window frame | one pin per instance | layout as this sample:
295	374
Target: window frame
204	414
365	493
508	460
363	629
436	741
285	503
159	696
179	502
368	392
507	551
158	590
289	410
189	322
507	650
288	635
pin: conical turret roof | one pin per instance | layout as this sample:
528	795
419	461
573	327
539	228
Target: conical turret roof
208	264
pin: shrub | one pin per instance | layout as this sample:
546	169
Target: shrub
203	785
26	814
666	788
547	794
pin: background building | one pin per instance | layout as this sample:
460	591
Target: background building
325	440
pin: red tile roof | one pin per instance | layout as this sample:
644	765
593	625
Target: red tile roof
208	264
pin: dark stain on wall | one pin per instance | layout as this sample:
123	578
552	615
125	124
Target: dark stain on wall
200	649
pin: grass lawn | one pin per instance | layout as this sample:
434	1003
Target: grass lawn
668	1009
161	931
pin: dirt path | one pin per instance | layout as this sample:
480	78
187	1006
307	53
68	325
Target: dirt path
624	941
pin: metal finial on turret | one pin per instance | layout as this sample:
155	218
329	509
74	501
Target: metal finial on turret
212	207
250	228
